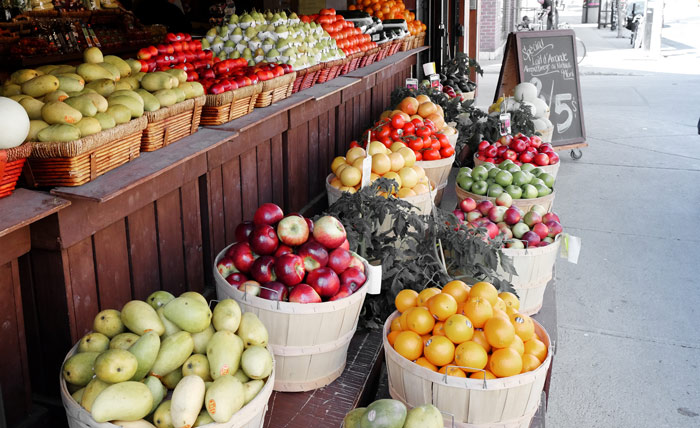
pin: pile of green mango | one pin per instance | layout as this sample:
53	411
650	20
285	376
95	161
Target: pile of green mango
388	413
214	362
65	103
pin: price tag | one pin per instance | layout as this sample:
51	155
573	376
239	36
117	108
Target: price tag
376	37
505	123
366	172
429	68
375	279
570	248
435	81
412	83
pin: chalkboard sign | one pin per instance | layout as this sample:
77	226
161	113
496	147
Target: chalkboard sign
547	59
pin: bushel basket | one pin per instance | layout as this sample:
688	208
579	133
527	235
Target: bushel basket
11	164
221	108
170	124
524	204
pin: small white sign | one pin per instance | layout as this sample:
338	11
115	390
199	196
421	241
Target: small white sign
366	172
429	68
571	248
375	279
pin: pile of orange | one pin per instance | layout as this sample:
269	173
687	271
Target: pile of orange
392	9
466	332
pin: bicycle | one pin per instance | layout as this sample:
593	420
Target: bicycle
580	46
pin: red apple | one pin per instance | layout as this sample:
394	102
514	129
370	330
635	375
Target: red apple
263	240
531	239
491	229
250	287
531	218
283	249
352	277
497	213
473	215
236	279
511	216
243	231
554	228
325	281
339	260
314	255
549	217
226	267
345	245
289	269
242	256
274	290
268	213
504	230
329	231
310	223
484	207
541	230
263	269
293	230
343	292
357	263
304	293
459	214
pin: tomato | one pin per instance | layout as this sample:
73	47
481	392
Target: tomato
327	12
431	155
396	134
417	122
427	142
354	144
416	145
423	131
448	151
484	145
382	132
409	128
419	156
387	142
429	123
397	121
435	145
442	138
444	144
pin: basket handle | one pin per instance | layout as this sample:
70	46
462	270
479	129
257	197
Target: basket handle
245	293
470	368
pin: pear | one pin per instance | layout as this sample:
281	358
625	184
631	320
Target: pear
140	317
79	369
205	44
233	19
158	390
256	362
123	341
272	54
223	32
108	322
203	419
247	54
93	342
235	55
115	366
250	32
222	55
283	15
145	350
252	331
281	44
237	31
227	315
78	395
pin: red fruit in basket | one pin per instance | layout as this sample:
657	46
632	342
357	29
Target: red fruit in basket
501	151
304	293
422	131
511	216
484	207
353	277
483	145
467	205
242	256
541	159
289	269
497	214
491	229
236	279
518	145
274	290
526	157
325	281
531	218
531	239
553	158
535	141
343	292
409	128
314	255
541	230
511	155
504	230
459	214
263	269
250	287
431	154
447	152
226	266
491	151
329	232
339	260
554	227
264	239
345	245
357	263
143	54
397	121
549	217
293	230
268	213
283	249
217	89
473	215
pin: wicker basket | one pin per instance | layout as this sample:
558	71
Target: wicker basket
311	76
275	90
368	57
549	169
170	124
438	171
406	43
310	341
395	46
330	71
222	108
301	74
420	40
384	49
78	162
524	204
11	164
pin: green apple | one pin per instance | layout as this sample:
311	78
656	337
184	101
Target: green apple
504	178
513	168
535	181
493	172
539	209
465	170
465	182
479	187
505	163
495	190
529	191
504	200
480	172
519	229
514	191
520	178
488	166
542	190
548	179
536	172
515	244
527	167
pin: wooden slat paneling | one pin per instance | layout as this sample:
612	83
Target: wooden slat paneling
85	300
315	170
296	152
231	173
112	266
249	184
171	254
217	196
277	165
192	236
264	172
143	252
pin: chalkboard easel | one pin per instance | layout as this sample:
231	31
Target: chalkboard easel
548	60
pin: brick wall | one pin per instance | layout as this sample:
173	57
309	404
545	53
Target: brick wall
494	25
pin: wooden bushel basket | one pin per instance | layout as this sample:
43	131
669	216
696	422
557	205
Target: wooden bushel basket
534	269
252	415
549	169
310	341
509	402
230	105
438	172
275	90
524	204
11	164
169	124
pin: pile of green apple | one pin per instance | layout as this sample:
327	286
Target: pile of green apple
520	182
214	362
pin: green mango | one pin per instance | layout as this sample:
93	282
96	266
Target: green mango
256	362
34	127
59	133
197	364
94	72
158	391
179	94
141	423
201	339
84	105
123	67
188	313
187	89
145	350
187	401
122	86
88	126
161	417
224	398
93	342
79	369
156	81
170	328
97	99
174	351
55	96
104	87
19	97
139	317
33	107
198	89
115	365
108	322
92	390
224	354
112	69
58	112
129	93
171	379
353	418
178	73
70	84
166	97
135	107
63	69
46	69
252	330
384	413
106	121
196	296
93	55
123	340
159	298
252	389
203	419
132	81
135	65
11	90
78	395
123	401
226	315
24	75
240	375
120	113
425	416
150	103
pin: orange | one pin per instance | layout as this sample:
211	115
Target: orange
499	332
392	337
485	290
478	310
537	348
506	362
423	362
452	371
396	324
510	299
530	363
518	345
499	313
511	310
439	329
406	299
403	319
458	290
409	345
500	304
524	327
458	329
482	374
480	338
420	321
442	306
426	294
471	356
439	350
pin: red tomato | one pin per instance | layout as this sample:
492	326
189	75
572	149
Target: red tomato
448	151
354	144
397	121
383	132
417	122
386	141
435	145
416	145
396	134
409	128
427	143
429	123
431	154
419	156
442	138
423	131
444	144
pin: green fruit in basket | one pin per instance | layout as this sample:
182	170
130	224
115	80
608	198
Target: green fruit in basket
123	67
252	330
173	378
93	55
201	339
123	340
479	187
479	173
58	95
93	342
58	112
513	168
465	182
493	172
115	365
528	167
252	389
111	69
203	419
139	76
122	86
156	81
40	85
132	81
495	190
34	127
33	107
120	113
514	191
159	298
83	104
547	179
135	107
104	87
150	102
539	209
128	93
198	365
174	351
63	69
384	413
161	417
140	317
504	178
70	83
240	375
256	362
179	73
425	416
187	89
224	398
187	401
227	316
542	190
98	100
135	65
59	133
18	98
179	94
170	327
520	178
166	97
536	171
196	296
78	395
145	350
188	313
224	353
106	121
529	191
93	72
92	390
108	322
79	369
11	90
122	401
25	75
158	390
354	417
198	89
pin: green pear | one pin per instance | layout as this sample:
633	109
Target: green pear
240	375
78	395
161	417
425	416
140	317
159	298
197	364
158	390
224	354
256	362
116	365
227	315
252	331
122	401
123	341
93	342
79	369
252	388
108	322
92	390
170	327
171	379
188	313
354	417
201	339
224	398
145	350
203	419
174	351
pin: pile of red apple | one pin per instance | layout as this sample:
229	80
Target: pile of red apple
535	228
520	149
348	38
291	258
229	74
